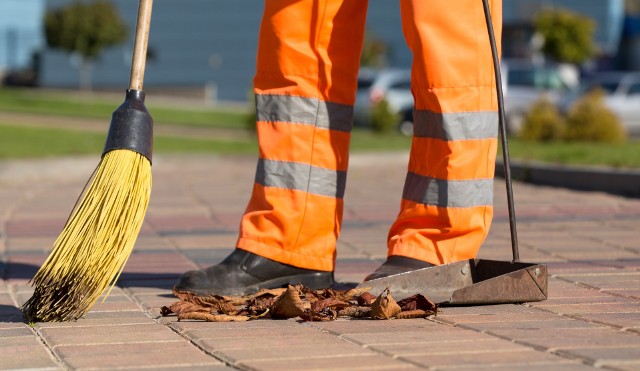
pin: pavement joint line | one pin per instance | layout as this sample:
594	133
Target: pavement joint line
48	348
613	363
606	291
520	342
578	318
53	347
565	353
210	211
41	326
585	285
194	343
332	356
362	345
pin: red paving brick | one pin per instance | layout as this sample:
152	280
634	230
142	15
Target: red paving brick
125	355
590	319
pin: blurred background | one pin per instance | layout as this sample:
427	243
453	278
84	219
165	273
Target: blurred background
568	70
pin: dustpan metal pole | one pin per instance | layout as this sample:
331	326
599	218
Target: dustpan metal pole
503	133
140	45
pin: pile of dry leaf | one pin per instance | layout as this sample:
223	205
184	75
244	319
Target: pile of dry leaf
298	301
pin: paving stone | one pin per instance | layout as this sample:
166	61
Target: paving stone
605	355
251	343
244	332
125	355
263	351
411	337
92	319
115	333
184	327
627	366
606	281
580	309
559	323
561	366
348	326
330	362
579	297
617	319
497	318
186	367
24	352
630	293
15	332
572	338
451	347
513	358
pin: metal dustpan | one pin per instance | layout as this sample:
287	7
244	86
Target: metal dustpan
468	282
475	281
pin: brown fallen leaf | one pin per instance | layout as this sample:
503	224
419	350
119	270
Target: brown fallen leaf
218	304
355	312
181	307
418	301
260	295
298	301
365	299
385	307
288	305
332	303
417	313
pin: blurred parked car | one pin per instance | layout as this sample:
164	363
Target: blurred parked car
392	85
621	96
525	82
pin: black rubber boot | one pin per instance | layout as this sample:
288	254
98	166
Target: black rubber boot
243	273
397	264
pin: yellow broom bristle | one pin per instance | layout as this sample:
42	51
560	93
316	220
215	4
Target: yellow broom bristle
94	245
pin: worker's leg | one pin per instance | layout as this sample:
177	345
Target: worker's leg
446	207
307	66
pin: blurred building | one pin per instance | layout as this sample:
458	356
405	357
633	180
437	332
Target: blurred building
207	47
518	28
20	34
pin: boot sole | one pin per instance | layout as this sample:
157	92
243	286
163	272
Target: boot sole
313	281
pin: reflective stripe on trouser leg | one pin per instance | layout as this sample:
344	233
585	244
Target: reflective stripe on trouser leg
308	57
446	207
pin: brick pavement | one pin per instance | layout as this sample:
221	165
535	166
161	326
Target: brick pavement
590	242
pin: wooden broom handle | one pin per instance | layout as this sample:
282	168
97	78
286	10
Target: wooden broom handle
140	45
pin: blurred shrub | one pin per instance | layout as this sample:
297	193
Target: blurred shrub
568	36
543	122
374	52
384	119
590	120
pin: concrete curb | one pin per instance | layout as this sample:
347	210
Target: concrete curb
622	182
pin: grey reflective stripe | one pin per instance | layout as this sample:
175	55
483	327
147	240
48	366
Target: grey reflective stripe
301	110
448	193
455	126
302	177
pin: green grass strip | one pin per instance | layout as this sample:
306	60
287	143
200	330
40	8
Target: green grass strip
90	106
30	142
624	155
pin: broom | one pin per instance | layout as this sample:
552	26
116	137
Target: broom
98	237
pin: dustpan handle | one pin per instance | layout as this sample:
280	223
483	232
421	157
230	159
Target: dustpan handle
503	132
140	45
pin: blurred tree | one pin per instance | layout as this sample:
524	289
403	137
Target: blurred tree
374	52
568	37
85	29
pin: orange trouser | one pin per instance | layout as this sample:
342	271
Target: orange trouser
305	84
